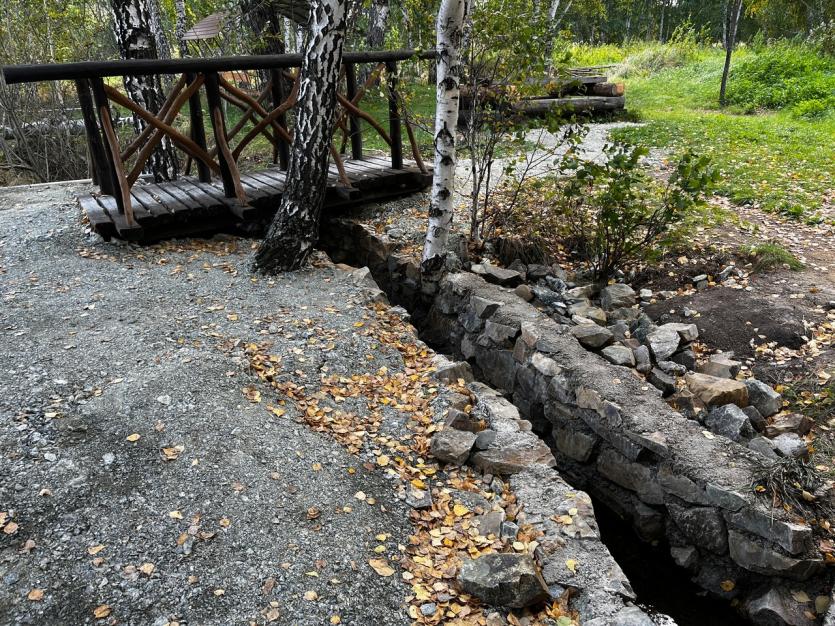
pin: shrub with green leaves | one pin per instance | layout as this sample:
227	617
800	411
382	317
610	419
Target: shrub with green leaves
783	74
614	212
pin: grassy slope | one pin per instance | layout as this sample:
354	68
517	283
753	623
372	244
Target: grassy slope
773	159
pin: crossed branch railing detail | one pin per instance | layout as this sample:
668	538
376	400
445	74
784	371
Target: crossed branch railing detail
116	169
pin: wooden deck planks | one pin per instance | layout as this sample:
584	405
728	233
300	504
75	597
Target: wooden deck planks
187	206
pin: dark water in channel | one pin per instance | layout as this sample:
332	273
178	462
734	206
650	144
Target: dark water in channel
659	583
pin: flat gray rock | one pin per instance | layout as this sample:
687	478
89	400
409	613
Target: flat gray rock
663	342
763	397
592	336
510	580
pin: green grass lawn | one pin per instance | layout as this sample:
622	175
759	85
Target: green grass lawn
779	161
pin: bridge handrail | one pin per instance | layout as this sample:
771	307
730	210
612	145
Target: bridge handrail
31	73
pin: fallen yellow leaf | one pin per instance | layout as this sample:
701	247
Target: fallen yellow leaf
381	566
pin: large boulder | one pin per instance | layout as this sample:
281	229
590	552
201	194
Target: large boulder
763	397
730	421
510	580
715	391
617	296
452	446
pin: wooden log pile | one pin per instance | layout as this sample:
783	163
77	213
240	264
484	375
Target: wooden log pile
581	91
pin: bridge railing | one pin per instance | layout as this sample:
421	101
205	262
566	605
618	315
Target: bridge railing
116	167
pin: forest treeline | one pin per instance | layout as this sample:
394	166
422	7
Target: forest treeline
60	31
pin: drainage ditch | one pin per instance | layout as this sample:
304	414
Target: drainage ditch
646	466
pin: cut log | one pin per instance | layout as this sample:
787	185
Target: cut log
574	104
607	89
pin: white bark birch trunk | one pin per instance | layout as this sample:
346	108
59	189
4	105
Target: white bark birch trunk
378	19
290	238
132	27
180	27
450	27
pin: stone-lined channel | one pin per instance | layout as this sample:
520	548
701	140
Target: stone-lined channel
615	438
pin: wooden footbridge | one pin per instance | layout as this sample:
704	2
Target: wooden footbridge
218	195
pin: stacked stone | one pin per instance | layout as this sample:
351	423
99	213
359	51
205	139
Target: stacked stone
564	516
624	444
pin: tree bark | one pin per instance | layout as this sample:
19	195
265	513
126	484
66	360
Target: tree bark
160	38
180	27
264	21
377	21
132	27
734	11
290	238
449	27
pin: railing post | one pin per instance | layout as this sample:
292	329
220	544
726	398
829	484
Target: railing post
394	117
98	156
279	95
354	122
228	169
198	130
119	184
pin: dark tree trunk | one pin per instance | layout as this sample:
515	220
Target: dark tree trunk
264	21
132	27
732	15
295	229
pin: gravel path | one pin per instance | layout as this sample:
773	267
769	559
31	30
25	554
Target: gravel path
143	484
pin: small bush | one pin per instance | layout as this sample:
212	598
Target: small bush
616	213
816	109
781	75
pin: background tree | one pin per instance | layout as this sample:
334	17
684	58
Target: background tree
135	38
378	15
450	28
733	11
295	228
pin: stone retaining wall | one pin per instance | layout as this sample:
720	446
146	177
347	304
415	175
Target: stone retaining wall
614	436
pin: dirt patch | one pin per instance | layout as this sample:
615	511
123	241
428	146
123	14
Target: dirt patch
737	320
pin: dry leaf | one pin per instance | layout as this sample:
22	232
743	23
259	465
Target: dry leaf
571	564
92	550
311	596
381	566
101	611
727	585
801	596
133	437
10	528
147	568
36	595
219	592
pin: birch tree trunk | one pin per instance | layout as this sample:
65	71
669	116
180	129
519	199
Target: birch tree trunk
180	27
449	27
132	27
160	38
734	12
377	20
294	230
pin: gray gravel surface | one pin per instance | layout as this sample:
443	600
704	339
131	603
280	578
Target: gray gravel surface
103	341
